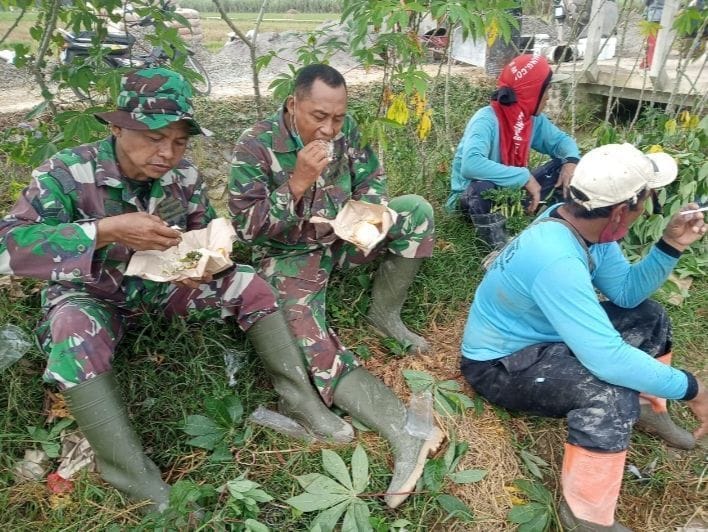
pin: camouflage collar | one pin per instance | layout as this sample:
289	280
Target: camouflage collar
283	141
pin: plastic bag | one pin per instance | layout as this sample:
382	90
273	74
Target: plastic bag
419	419
14	343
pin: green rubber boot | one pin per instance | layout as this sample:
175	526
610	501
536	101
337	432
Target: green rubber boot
98	408
369	400
284	362
661	425
390	289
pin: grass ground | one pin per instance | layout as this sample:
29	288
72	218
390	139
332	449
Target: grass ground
168	371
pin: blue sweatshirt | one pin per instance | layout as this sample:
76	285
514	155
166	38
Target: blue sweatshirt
540	289
478	154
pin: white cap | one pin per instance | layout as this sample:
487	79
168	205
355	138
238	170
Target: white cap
615	173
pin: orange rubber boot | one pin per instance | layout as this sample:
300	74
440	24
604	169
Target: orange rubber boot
654	418
591	482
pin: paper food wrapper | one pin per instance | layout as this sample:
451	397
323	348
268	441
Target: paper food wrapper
361	223
203	251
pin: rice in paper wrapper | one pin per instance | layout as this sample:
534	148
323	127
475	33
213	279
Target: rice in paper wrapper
363	224
201	252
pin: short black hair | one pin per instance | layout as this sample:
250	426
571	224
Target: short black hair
577	210
308	74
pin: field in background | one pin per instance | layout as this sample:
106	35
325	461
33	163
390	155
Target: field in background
215	30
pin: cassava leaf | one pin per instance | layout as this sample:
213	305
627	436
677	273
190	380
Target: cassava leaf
418	381
360	469
327	520
322	485
311	502
455	508
335	466
468	476
357	518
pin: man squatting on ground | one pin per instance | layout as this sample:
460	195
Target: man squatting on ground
494	150
76	226
538	340
283	174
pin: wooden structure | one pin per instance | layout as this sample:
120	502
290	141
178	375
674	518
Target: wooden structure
623	77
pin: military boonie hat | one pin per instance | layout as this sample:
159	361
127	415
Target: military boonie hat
153	98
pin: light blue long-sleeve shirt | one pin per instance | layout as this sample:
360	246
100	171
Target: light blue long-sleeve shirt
540	289
478	154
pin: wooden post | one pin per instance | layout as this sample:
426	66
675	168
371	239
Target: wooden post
664	40
592	49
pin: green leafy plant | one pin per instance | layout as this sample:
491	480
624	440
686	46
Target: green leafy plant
334	495
220	428
685	138
508	201
533	463
245	496
379	524
538	514
439	470
447	396
49	439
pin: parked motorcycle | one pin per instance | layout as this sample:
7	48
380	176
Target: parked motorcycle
120	53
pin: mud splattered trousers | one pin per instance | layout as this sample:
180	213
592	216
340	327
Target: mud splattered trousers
81	332
300	281
547	380
472	203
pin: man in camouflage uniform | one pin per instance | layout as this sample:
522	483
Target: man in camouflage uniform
305	161
76	226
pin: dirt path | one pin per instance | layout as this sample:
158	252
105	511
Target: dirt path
24	98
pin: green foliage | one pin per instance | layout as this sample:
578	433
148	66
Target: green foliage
533	463
49	439
447	397
245	496
538	514
334	495
686	139
90	75
220	429
509	202
438	470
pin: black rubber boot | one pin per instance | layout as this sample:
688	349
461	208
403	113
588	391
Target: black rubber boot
285	363
99	411
391	283
370	401
491	228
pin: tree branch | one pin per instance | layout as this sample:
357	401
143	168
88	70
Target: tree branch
14	25
251	48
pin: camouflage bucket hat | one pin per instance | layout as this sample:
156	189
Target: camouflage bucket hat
153	98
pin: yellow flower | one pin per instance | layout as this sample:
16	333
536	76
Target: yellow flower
685	118
425	125
693	122
670	126
492	32
398	111
419	102
655	148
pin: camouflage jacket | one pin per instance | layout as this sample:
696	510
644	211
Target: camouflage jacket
50	233
264	211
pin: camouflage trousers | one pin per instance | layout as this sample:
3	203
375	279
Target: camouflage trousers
301	284
81	332
547	380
